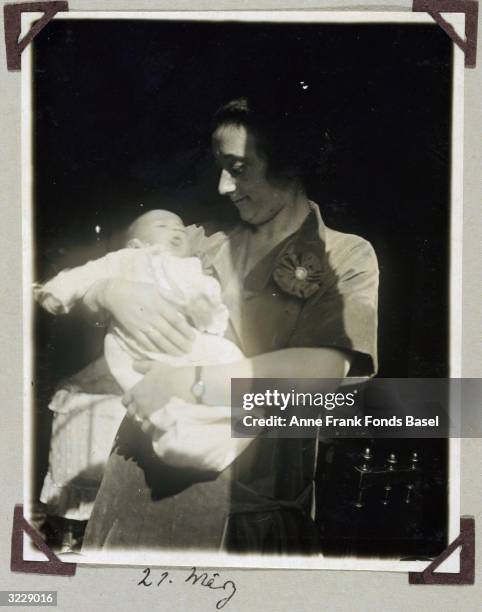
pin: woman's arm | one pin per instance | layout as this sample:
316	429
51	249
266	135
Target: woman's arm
162	382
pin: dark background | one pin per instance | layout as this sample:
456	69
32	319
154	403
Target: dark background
122	116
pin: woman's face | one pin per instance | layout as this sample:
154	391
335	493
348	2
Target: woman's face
243	175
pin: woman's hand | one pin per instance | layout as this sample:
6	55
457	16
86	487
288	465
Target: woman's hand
184	434
139	309
159	385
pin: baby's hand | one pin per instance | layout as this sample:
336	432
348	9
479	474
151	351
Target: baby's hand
201	310
208	314
49	302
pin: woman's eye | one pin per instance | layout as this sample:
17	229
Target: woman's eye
237	169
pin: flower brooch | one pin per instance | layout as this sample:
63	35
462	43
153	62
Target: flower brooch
298	274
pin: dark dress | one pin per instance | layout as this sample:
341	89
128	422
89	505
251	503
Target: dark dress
263	501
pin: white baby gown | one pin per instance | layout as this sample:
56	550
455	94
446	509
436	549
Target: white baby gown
85	424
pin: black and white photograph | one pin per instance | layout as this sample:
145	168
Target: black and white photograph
217	196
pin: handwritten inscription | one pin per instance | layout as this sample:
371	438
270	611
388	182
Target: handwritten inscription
212	581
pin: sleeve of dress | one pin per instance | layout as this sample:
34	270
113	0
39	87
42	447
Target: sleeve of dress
343	313
60	294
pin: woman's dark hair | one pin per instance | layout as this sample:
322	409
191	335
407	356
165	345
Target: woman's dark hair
289	135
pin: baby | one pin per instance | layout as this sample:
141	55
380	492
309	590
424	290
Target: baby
157	251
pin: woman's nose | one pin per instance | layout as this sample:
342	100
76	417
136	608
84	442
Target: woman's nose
226	183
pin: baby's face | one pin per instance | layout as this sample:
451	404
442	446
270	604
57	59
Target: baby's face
160	227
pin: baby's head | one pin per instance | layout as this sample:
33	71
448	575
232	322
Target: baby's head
159	227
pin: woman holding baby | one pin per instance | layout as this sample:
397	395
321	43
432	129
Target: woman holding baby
302	301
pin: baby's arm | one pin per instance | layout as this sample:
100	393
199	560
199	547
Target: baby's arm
59	294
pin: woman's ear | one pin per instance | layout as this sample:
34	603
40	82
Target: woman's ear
134	243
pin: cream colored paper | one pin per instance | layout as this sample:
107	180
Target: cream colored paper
115	588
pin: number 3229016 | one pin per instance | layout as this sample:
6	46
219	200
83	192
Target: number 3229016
44	597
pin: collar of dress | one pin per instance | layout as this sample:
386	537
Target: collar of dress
310	236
